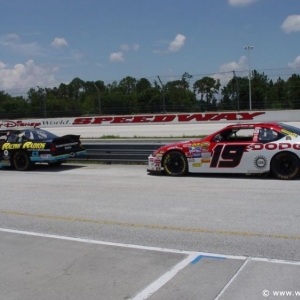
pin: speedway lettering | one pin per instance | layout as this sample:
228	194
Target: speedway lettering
9	146
31	145
135	119
198	117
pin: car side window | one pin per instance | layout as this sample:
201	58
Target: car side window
241	135
267	135
222	136
29	135
12	138
3	138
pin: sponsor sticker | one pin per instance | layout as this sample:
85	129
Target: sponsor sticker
9	146
45	156
31	145
197	165
205	144
205	160
289	133
260	162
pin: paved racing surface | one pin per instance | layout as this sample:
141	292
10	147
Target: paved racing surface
115	232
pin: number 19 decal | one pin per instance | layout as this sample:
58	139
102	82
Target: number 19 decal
227	156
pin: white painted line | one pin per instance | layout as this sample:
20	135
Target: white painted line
118	244
277	261
270	260
161	281
232	279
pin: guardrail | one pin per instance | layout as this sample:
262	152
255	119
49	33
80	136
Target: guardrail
122	152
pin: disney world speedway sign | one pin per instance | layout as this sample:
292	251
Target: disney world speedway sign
221	117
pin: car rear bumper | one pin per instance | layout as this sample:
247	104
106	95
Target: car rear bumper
80	153
49	158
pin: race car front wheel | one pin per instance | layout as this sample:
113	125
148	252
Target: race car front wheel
285	165
175	163
21	161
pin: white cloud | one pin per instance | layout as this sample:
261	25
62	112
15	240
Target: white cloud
12	37
226	70
59	42
136	47
76	55
241	2
241	65
125	47
25	76
291	23
116	57
13	43
177	43
2	65
174	46
296	63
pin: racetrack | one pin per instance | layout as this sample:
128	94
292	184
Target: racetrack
114	232
234	215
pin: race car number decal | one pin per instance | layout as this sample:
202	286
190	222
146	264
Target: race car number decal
227	156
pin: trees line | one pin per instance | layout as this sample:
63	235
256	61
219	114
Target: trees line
140	96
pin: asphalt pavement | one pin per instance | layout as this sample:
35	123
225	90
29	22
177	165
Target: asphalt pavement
114	232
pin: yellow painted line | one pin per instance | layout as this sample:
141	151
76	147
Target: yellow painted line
149	226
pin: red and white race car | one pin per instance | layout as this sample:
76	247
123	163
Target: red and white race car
242	148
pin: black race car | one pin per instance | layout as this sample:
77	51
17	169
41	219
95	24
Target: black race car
22	148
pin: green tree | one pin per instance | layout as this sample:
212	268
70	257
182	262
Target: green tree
12	107
259	84
279	89
207	88
293	91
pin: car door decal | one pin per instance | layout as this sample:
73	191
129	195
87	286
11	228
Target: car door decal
227	156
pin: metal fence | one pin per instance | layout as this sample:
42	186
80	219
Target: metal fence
119	152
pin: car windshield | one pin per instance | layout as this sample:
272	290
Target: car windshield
39	134
290	128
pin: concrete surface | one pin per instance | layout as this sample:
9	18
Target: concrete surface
114	232
37	266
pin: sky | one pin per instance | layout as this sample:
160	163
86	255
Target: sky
45	43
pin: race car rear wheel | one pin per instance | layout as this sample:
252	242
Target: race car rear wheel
175	163
285	165
21	161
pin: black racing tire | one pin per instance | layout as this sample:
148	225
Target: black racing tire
175	163
285	165
21	161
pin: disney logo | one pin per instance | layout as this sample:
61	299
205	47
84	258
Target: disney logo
11	124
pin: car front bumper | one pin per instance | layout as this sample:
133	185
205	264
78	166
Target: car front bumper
154	164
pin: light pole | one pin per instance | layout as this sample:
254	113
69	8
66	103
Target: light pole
99	98
248	48
163	95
